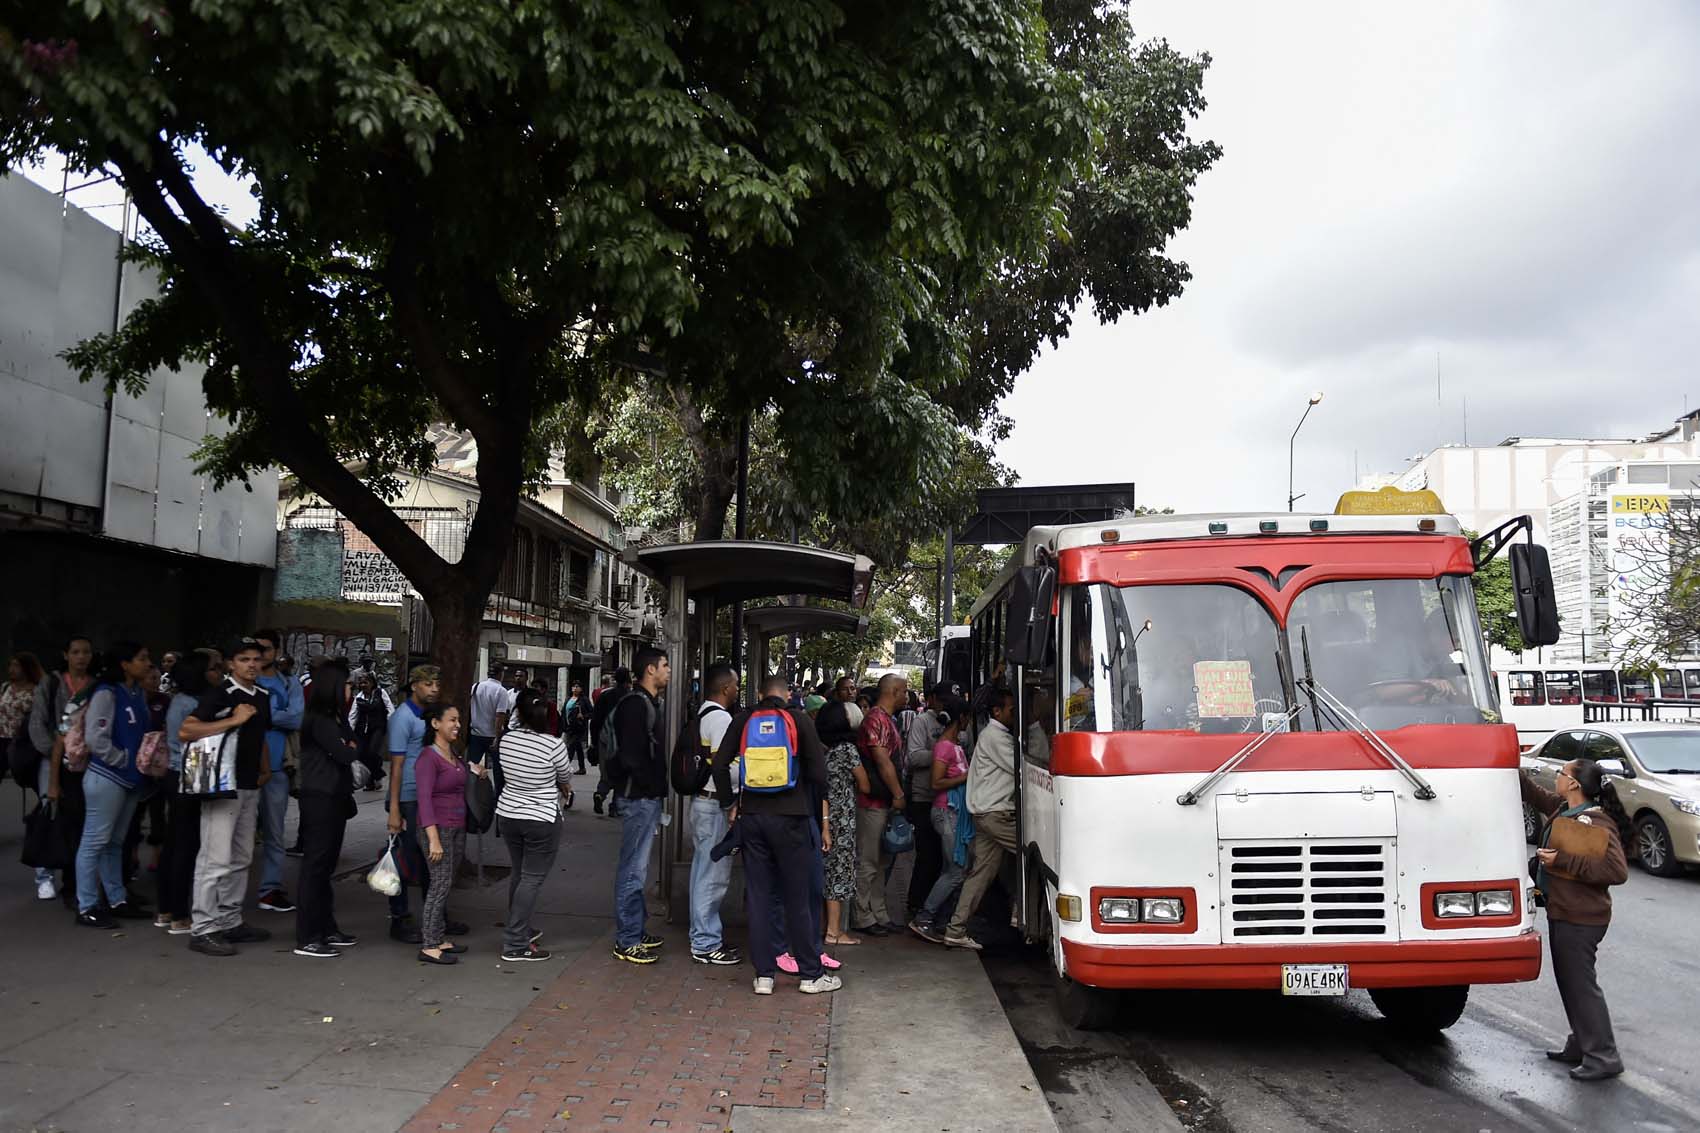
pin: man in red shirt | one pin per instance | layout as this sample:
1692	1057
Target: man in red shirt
877	785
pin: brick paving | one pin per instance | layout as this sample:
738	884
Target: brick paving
610	1045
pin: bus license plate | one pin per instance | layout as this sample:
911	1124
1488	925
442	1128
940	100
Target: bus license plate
1313	979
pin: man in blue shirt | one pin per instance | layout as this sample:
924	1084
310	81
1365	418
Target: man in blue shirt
288	706
406	737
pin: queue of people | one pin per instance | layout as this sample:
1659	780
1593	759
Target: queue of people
816	801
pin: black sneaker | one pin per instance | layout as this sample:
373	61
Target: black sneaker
403	930
721	957
523	955
294	851
246	933
212	944
277	901
596	803
318	950
649	943
636	954
341	940
96	919
456	928
131	911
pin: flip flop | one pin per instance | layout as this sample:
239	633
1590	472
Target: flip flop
846	941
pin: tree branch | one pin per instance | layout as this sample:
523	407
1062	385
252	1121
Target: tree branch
264	366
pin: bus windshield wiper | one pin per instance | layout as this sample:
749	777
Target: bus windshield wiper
1337	708
1273	723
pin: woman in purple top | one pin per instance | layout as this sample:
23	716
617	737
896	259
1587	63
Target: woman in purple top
441	775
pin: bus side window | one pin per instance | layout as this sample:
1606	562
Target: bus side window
1599	686
1564	687
1526	687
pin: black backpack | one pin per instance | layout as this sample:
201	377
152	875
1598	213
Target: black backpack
690	767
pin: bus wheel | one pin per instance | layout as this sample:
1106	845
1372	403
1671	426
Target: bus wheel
1085	1008
1421	1010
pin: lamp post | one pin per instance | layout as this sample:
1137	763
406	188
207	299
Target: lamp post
1292	499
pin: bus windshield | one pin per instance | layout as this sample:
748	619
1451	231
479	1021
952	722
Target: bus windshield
1397	651
1208	657
1207	663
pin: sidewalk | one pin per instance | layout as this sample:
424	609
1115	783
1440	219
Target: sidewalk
128	1029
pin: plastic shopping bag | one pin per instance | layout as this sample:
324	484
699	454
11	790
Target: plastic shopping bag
385	878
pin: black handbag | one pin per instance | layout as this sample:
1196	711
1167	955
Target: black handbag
481	796
45	843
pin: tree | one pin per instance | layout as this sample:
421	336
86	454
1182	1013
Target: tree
475	211
926	376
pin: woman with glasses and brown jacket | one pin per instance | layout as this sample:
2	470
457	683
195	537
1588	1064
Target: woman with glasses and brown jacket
1577	889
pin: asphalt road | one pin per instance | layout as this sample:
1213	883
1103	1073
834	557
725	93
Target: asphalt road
1244	1062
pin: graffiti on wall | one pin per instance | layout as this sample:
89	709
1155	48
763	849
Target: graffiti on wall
306	644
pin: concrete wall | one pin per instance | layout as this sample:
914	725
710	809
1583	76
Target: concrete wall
124	470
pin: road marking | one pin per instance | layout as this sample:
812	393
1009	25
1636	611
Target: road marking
1640	1083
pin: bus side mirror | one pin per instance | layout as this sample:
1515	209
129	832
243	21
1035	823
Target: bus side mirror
1531	578
1030	600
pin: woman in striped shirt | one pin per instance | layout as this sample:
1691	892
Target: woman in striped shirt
533	778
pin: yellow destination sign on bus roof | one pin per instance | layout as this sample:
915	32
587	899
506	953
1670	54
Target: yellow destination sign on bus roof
1390	501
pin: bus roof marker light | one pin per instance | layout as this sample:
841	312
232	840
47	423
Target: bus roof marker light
1425	525
1110	536
1268	526
1218	529
1319	525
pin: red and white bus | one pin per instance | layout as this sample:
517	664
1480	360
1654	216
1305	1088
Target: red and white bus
1265	751
1542	699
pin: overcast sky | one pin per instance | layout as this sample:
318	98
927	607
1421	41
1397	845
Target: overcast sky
1513	188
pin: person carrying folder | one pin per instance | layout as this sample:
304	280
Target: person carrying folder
1580	858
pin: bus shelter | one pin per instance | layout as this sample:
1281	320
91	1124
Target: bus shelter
699	578
767	622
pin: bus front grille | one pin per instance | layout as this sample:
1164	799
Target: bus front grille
1297	889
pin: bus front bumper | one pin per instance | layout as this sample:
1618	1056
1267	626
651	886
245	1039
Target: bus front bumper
1406	963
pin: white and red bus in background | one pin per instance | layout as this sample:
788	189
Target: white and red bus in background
1265	751
1541	699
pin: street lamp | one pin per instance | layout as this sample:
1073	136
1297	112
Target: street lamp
1292	499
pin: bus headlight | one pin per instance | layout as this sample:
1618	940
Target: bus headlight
1162	910
1119	910
1454	904
1495	903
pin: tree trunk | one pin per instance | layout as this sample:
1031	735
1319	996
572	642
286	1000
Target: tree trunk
716	458
457	620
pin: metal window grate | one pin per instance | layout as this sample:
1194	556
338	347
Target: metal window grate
1302	889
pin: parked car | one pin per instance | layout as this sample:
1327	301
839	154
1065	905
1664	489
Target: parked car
1660	785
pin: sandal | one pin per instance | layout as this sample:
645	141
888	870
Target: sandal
844	940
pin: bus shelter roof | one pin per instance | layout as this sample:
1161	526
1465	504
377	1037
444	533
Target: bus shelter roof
771	621
724	571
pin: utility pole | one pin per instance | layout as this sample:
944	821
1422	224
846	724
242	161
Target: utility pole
741	528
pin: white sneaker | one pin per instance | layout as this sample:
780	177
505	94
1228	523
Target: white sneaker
45	890
825	982
764	985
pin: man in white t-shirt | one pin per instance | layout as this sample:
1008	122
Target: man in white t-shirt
491	702
709	878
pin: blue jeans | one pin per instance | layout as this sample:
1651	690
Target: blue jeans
638	820
100	855
709	878
934	913
274	805
407	846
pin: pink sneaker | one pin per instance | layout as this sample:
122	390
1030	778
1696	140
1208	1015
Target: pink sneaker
829	963
786	963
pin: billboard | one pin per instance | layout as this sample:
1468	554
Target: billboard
1637	558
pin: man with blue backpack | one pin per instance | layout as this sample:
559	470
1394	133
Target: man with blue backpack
781	779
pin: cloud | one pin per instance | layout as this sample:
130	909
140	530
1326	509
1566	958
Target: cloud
1511	192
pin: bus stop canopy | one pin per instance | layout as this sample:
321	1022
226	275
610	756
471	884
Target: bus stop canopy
771	621
724	571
